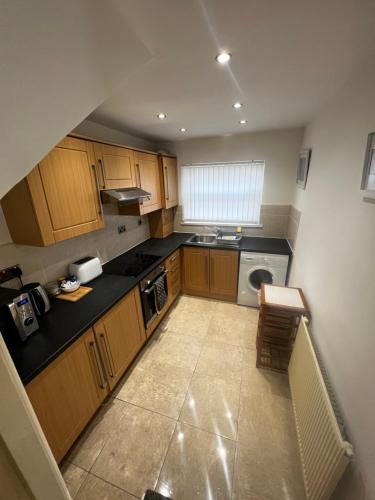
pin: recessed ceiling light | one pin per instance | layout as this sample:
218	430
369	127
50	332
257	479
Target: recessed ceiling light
242	122
237	105
161	116
182	129
223	57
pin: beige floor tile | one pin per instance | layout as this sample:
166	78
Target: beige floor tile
235	331
212	404
173	349
261	380
193	305
261	474
157	387
133	456
266	422
221	360
90	444
234	311
73	476
189	324
198	465
97	489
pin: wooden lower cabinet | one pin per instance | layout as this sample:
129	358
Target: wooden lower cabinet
196	277
224	274
120	335
67	393
173	266
210	272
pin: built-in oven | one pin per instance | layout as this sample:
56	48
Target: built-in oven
152	287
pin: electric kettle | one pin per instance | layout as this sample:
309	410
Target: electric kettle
39	297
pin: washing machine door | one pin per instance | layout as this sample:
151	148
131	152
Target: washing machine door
257	276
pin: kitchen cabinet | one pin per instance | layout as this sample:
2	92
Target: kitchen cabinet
210	272
223	273
120	335
67	393
59	199
170	183
173	266
196	277
115	166
161	222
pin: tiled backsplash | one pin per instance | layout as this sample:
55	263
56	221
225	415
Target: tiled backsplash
293	224
274	219
46	263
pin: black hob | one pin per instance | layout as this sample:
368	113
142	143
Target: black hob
131	265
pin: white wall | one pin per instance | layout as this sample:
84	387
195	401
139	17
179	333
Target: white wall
59	61
278	148
334	264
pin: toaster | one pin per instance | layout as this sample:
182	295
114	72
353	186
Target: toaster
86	269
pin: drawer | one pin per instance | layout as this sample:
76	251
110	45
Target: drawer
173	261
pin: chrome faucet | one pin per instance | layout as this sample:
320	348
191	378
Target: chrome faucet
218	232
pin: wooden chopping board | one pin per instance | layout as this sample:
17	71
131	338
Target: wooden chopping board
74	296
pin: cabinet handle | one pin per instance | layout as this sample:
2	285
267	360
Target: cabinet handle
138	175
207	272
166	182
100	210
102	380
108	353
102	171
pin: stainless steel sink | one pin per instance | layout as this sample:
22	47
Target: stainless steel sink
203	239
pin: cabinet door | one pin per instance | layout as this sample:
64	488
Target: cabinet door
169	166
223	273
71	195
120	335
67	393
148	174
196	270
116	168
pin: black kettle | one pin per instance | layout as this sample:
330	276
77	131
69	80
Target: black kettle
39	297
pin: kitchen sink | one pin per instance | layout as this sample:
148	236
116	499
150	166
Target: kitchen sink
205	239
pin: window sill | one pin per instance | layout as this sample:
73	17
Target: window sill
221	224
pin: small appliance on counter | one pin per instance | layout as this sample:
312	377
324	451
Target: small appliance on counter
16	313
86	269
38	296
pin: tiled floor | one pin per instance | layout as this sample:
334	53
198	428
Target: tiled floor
194	418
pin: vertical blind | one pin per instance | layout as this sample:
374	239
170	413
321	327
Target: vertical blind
222	193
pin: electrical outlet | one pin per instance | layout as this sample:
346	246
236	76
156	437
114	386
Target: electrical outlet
121	228
10	273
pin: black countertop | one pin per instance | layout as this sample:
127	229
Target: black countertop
66	321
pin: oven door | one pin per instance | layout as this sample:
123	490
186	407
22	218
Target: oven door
149	304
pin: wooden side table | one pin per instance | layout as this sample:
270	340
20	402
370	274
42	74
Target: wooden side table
281	309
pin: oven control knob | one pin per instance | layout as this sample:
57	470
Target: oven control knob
148	282
28	321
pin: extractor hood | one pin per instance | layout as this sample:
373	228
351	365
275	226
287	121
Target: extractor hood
124	196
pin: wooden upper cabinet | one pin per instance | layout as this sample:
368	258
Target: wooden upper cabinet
58	200
115	166
67	393
148	178
223	273
196	274
120	335
170	183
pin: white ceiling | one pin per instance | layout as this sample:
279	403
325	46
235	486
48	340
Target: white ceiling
289	57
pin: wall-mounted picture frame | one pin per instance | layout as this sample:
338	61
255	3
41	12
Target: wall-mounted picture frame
303	168
368	176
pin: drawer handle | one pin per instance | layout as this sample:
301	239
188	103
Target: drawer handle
108	353
100	210
102	171
102	380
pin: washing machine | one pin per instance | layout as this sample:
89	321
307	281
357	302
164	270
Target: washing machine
258	268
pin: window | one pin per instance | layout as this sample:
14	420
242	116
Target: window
222	193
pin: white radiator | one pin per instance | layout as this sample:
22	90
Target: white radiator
324	452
